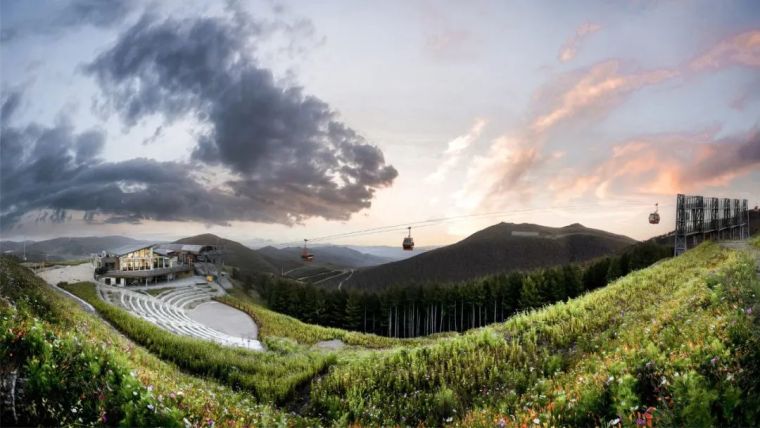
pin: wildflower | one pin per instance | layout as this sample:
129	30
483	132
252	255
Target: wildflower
536	421
714	360
501	423
150	407
173	395
748	311
640	421
613	422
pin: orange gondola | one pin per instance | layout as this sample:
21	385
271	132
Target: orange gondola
654	218
408	243
305	254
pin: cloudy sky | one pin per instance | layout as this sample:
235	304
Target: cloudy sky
283	120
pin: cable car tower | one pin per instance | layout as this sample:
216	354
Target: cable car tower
305	254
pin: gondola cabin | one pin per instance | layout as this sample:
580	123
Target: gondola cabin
654	218
408	243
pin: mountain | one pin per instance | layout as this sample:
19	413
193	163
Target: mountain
499	248
392	254
66	248
236	254
337	256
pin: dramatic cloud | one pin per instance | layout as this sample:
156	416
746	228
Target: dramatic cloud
54	170
76	13
498	173
576	95
454	152
665	164
743	49
596	89
570	48
283	156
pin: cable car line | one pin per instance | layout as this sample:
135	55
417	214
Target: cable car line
443	220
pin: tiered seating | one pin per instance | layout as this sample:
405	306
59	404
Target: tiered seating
167	310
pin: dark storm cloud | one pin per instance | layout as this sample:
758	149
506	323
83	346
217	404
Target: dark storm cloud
58	170
290	155
53	170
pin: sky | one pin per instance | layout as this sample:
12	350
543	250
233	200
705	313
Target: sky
274	121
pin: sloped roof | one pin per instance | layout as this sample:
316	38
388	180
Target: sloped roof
126	249
188	248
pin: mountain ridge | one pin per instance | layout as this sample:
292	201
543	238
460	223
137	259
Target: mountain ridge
502	247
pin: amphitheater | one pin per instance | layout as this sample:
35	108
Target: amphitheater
172	309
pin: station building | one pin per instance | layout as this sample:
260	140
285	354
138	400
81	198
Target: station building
144	264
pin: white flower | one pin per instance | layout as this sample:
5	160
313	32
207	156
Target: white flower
536	421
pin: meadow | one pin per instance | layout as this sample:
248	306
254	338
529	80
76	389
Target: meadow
674	344
271	376
70	368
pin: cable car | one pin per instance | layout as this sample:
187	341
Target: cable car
654	218
408	243
305	254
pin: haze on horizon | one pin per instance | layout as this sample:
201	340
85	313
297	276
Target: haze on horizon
279	120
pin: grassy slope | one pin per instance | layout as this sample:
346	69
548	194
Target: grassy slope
27	305
275	324
672	337
677	337
272	376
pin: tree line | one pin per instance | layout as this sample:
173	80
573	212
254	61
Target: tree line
425	308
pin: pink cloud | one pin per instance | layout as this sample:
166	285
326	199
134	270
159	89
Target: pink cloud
742	49
571	46
601	85
665	164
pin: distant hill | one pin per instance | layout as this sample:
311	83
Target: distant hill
66	248
392	254
499	248
236	254
337	256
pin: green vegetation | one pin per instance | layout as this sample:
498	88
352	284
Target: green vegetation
680	337
271	376
755	241
274	324
677	343
70	368
428	308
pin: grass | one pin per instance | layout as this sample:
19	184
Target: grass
272	376
669	337
755	241
677	344
276	325
72	360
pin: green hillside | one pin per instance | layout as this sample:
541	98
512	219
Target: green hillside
500	248
235	254
682	337
678	342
